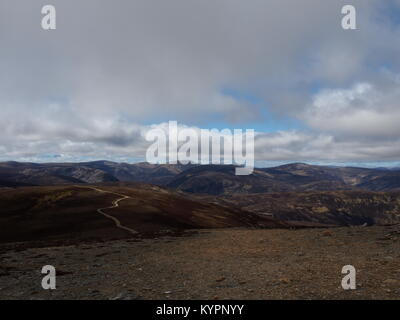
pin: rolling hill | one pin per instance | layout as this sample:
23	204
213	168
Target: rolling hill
343	208
207	179
13	174
294	193
70	213
221	180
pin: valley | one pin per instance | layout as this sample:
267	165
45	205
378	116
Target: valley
139	231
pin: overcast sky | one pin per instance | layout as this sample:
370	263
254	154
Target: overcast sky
286	68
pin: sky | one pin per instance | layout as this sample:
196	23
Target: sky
111	70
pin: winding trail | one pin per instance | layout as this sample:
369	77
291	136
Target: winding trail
115	204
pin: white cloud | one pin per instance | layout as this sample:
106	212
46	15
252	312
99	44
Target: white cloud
365	110
130	145
89	88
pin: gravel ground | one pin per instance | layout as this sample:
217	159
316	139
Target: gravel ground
214	264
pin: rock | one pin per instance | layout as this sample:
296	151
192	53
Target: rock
391	282
220	279
284	280
126	296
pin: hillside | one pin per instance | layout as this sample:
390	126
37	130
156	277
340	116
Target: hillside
344	208
33	174
70	213
300	193
221	180
207	179
14	174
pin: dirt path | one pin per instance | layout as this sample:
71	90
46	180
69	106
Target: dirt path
115	204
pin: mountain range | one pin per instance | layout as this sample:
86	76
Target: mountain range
51	199
204	179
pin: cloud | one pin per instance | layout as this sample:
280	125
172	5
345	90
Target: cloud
172	58
299	146
131	146
112	68
368	110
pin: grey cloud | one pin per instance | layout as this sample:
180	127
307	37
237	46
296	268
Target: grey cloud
284	146
170	57
88	88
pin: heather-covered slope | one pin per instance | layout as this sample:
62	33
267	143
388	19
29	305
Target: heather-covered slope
221	180
71	213
346	208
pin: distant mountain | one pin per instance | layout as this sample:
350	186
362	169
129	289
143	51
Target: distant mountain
215	180
219	180
206	179
14	174
33	174
139	172
294	193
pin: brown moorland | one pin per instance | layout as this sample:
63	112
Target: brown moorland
70	213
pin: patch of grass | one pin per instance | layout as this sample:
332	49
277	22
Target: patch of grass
49	200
